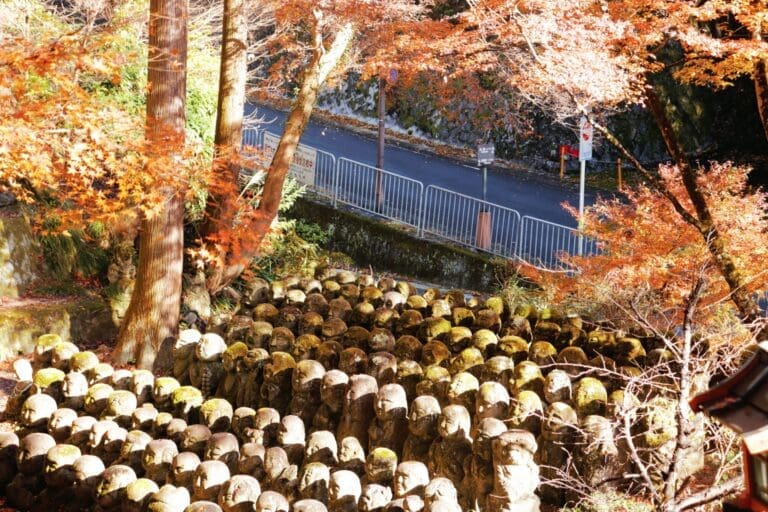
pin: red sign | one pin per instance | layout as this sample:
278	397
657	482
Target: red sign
567	150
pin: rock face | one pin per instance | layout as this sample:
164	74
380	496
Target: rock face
18	255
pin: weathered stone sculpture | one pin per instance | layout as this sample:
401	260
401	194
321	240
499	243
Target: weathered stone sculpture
132	451
516	475
74	388
333	388
422	428
389	428
450	452
344	491
321	447
352	455
291	437
182	470
224	447
209	478
251	460
410	479
239	494
169	499
36	411
271	501
313	481
358	408
157	460
374	498
88	470
306	383
110	492
478	479
278	373
555	445
380	467
137	495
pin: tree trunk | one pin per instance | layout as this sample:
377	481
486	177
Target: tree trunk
323	61
761	92
704	222
153	313
221	206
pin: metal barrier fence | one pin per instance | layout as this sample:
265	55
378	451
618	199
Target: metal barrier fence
542	242
380	192
470	221
438	211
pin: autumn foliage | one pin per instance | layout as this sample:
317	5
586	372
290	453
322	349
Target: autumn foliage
646	245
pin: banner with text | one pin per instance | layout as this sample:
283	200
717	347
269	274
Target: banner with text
304	160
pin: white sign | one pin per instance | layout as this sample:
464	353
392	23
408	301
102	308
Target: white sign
302	167
585	139
485	154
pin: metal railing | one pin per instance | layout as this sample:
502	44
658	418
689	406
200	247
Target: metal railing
470	221
542	243
438	211
380	192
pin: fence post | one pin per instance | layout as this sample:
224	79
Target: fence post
335	185
562	161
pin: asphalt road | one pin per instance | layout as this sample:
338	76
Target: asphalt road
529	197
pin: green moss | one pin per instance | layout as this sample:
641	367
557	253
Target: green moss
236	350
214	404
47	376
186	394
47	342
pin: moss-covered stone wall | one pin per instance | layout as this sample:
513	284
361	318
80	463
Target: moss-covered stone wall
18	255
388	248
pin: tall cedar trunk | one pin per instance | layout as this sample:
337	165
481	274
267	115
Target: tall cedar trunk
704	222
221	206
761	92
153	313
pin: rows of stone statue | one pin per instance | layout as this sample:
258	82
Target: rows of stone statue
343	394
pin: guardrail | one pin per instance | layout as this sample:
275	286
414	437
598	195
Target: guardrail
542	242
380	192
471	221
438	211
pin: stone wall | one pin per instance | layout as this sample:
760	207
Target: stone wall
18	255
389	248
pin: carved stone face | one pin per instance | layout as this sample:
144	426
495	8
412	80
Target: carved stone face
37	410
121	379
98	430
487	430
96	398
111	489
74	388
216	414
224	447
32	451
174	430
142	385
195	438
423	416
351	450
59	472
380	466
81	431
138	493
210	347
515	448
454	422
374	498
360	395
120	406
132	451
143	418
113	441
307	377
439	488
158	456
183	468
313	481
209	478
169	499
239	494
251	460
383	367
462	390
243	417
390	401
291	431
557	387
275	461
344	484
163	389
410	478
87	472
271	501
321	447
101	373
333	388
492	401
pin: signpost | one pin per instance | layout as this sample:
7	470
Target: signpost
391	79
485	156
302	167
585	153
